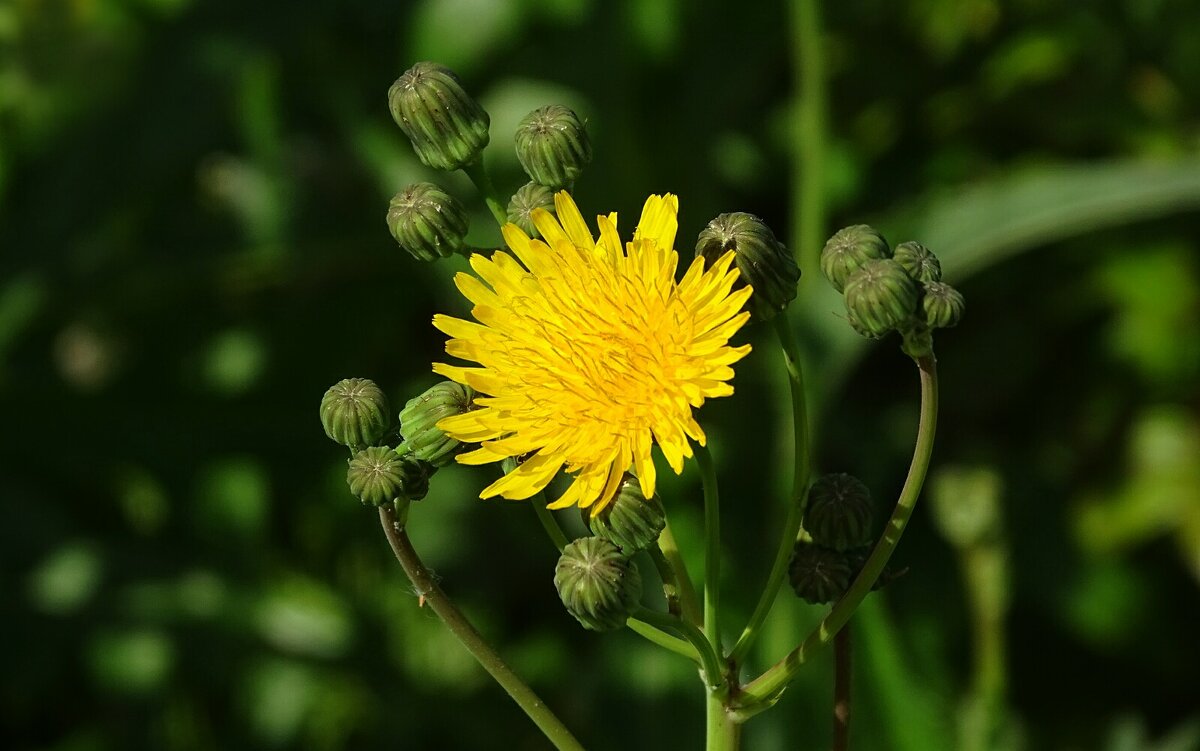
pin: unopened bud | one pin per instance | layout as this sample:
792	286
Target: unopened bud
632	522
598	584
920	262
528	197
880	297
377	476
942	306
839	512
423	439
354	412
819	574
763	262
553	146
446	125
850	249
427	221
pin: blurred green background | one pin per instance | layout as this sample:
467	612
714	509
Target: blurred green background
192	248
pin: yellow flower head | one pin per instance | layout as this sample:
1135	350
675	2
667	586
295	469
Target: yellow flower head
589	352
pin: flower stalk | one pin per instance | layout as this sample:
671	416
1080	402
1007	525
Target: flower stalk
763	691
802	471
429	591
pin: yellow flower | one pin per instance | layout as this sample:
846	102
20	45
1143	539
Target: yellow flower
590	352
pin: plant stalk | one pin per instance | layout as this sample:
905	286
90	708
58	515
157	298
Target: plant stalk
429	591
802	469
763	691
712	548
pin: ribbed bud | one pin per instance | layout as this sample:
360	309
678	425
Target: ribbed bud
354	412
763	262
839	512
377	476
553	146
419	418
880	297
446	125
427	221
631	522
597	583
528	197
942	306
920	262
850	249
819	574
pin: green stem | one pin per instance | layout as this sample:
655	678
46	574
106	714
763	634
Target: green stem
764	690
689	602
714	677
712	548
431	593
483	181
808	168
724	728
656	635
841	690
802	468
549	523
670	581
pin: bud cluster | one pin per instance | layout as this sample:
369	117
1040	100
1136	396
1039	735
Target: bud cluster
355	413
838	522
888	290
596	578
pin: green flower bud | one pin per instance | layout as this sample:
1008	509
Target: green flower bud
819	574
848	250
880	297
763	262
942	306
354	412
528	197
447	127
553	146
378	476
427	221
597	583
631	522
839	512
419	418
920	262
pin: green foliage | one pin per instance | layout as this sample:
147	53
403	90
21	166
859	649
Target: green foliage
191	251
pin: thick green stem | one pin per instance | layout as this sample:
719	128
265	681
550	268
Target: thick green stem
764	690
802	468
689	602
429	591
712	548
724	729
483	182
808	167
